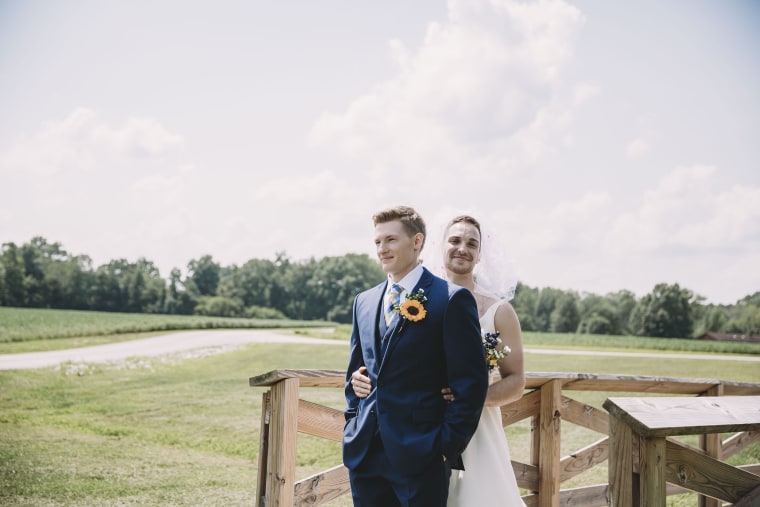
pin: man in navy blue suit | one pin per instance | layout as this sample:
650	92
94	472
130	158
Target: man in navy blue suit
413	334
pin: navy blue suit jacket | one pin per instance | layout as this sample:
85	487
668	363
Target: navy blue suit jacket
406	406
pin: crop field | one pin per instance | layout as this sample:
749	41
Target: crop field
26	324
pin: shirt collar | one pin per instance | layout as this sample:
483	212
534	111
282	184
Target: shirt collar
409	282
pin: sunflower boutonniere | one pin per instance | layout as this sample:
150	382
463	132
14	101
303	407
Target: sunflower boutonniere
413	308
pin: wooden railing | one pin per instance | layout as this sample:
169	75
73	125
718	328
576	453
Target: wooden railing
643	459
284	414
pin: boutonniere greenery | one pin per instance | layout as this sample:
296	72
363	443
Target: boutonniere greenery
413	308
491	343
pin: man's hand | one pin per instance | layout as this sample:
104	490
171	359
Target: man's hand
448	395
360	382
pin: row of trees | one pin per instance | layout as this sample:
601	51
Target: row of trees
43	275
668	311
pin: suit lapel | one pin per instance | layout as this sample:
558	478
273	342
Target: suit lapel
394	336
371	317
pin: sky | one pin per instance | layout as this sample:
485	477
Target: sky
604	146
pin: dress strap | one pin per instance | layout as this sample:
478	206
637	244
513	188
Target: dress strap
487	320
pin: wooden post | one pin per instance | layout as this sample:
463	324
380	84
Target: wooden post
620	469
535	444
266	409
712	444
652	471
654	419
283	429
548	460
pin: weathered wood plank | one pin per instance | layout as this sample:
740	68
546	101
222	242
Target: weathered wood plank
585	415
584	459
261	478
531	500
625	383
549	452
534	380
535	445
739	442
668	416
641	385
620	467
638	384
712	445
740	389
526	475
308	378
686	446
754	468
283	425
320	421
322	487
652	474
527	406
703	474
587	496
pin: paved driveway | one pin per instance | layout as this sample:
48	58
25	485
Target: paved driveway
223	340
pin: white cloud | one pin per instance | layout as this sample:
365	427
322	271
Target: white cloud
733	223
690	228
84	142
321	187
688	212
143	137
584	92
514	107
95	186
636	149
568	226
482	92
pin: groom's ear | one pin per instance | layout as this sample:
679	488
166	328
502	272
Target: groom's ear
419	240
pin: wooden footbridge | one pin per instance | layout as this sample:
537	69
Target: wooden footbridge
637	429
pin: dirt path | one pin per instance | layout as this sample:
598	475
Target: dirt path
213	341
216	341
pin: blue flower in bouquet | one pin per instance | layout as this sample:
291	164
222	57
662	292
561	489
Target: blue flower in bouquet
494	351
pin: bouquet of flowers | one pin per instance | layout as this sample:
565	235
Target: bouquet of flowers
491	343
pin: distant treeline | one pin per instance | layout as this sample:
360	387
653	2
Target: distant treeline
39	274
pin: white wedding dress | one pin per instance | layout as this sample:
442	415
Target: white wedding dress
488	478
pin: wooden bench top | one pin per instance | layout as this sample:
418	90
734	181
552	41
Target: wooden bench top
684	415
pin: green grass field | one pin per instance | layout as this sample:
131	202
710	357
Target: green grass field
26	324
176	431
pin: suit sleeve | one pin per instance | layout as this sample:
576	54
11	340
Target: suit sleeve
467	373
355	361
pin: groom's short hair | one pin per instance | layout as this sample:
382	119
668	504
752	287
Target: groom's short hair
409	218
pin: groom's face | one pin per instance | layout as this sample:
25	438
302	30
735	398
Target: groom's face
462	251
397	251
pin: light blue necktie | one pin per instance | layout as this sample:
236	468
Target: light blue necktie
392	299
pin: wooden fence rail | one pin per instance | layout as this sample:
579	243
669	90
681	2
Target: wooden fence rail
639	478
545	402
